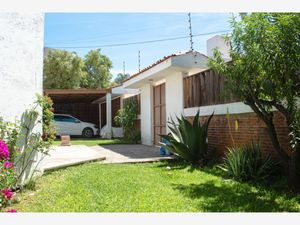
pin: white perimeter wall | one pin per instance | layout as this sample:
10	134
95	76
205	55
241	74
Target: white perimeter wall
21	62
21	68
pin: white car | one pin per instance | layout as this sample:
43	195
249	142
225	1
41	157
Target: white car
69	125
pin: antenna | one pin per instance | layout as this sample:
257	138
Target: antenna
191	33
139	56
123	67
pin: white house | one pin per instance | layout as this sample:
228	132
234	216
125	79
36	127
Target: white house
161	89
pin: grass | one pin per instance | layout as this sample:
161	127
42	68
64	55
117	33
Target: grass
93	142
150	187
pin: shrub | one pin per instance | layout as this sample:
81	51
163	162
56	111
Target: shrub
247	163
126	117
188	140
49	130
7	176
9	132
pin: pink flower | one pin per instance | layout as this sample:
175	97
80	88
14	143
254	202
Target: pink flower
12	210
7	193
7	165
4	153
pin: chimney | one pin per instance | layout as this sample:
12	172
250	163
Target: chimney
219	42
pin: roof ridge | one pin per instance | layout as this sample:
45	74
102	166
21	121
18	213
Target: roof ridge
160	61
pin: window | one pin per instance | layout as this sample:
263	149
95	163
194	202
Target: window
68	119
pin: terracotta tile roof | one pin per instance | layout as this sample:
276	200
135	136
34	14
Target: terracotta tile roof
156	63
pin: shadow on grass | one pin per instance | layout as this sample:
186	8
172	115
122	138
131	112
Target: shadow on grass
270	195
180	164
235	198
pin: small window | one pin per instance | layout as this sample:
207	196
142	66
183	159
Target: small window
68	119
60	118
57	118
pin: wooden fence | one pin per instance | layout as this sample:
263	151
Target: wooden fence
205	88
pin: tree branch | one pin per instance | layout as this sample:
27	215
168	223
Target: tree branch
271	128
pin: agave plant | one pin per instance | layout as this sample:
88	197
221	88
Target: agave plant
247	163
188	140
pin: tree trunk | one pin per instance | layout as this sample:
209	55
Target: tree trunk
293	172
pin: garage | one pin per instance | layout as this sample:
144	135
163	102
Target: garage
79	103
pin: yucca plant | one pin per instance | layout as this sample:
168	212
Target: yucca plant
247	163
188	140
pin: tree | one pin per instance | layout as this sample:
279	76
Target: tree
97	68
121	77
62	70
265	74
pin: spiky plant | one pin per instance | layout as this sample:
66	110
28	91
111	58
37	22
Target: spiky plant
188	140
247	163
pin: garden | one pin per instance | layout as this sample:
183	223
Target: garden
264	74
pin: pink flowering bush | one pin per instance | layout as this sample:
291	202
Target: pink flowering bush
4	153
7	177
11	210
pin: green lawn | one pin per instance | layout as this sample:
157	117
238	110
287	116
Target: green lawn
149	187
93	142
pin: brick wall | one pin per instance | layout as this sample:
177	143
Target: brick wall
250	128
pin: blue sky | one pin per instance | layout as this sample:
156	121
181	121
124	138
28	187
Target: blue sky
77	30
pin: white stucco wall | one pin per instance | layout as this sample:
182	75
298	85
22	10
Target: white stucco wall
21	68
21	62
146	114
218	41
174	96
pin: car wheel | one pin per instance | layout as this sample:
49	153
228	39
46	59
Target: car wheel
87	133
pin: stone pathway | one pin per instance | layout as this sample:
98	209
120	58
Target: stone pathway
64	156
130	153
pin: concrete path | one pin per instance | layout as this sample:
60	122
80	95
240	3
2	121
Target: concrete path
130	153
63	156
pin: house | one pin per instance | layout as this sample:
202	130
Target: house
161	90
183	84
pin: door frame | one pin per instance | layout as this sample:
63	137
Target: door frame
153	111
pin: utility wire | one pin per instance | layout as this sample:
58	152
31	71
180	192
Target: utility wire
111	34
140	42
123	32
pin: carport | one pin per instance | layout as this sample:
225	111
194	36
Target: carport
81	103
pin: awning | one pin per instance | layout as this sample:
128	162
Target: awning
75	95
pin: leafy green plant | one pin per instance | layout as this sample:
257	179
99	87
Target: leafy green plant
7	176
264	74
49	130
126	117
247	163
188	140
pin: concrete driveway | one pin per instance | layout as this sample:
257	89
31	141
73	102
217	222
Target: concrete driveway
130	153
63	156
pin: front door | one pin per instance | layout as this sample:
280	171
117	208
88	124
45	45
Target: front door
159	112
